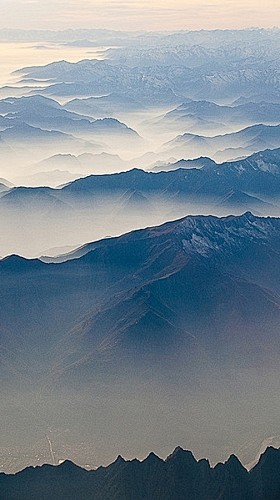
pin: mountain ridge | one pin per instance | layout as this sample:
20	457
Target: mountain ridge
179	476
129	200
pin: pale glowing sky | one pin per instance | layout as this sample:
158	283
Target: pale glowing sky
135	14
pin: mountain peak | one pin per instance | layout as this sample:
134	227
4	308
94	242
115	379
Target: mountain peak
234	464
179	452
179	481
182	458
152	458
69	466
119	460
248	215
270	455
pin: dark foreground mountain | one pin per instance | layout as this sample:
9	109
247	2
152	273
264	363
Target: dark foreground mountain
179	477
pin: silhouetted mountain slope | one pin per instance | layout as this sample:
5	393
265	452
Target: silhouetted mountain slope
142	325
179	477
225	147
193	285
257	175
243	113
265	475
45	113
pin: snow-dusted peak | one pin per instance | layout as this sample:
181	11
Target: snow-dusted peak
204	235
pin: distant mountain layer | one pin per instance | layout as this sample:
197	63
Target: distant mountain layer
252	112
204	117
242	181
156	70
47	114
106	105
96	206
257	175
179	477
227	146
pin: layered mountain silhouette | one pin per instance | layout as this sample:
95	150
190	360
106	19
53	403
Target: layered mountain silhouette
250	113
164	335
61	169
186	164
47	114
168	69
108	105
180	476
225	147
100	205
256	175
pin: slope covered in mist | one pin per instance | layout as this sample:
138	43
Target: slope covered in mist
170	319
107	205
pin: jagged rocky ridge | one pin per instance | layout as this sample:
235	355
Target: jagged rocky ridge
179	477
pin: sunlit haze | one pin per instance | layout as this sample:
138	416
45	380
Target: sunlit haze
135	15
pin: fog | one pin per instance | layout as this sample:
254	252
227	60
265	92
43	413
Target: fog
149	107
16	55
99	358
38	228
211	412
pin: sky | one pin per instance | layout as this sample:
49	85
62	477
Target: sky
138	15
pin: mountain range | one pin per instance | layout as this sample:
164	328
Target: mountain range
108	105
257	175
96	206
161	71
208	116
131	318
48	114
35	127
224	147
254	176
61	169
158	85
178	477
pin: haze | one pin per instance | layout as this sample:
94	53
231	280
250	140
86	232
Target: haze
160	337
132	15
